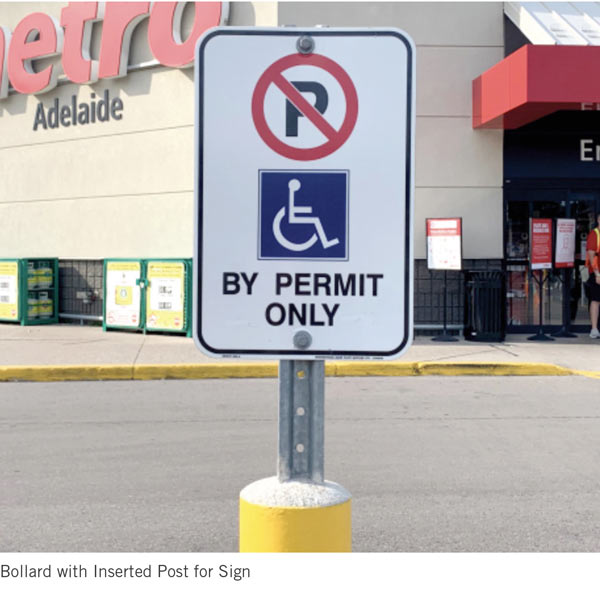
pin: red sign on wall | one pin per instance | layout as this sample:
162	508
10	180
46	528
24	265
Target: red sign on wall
540	242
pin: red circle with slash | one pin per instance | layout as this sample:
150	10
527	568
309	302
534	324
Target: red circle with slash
335	138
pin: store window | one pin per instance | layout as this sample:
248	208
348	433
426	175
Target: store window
523	292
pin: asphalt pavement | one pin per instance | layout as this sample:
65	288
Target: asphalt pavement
452	463
438	464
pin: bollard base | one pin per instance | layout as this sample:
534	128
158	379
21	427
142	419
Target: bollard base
295	516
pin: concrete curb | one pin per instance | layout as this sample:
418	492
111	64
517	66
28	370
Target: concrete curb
58	373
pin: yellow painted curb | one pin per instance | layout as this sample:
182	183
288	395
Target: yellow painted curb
522	369
391	368
370	368
286	529
60	373
591	374
198	371
205	371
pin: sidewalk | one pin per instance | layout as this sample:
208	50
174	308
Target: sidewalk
73	352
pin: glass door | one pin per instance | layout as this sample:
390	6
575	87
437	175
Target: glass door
523	295
582	206
522	290
518	286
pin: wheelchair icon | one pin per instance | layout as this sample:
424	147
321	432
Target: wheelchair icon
298	215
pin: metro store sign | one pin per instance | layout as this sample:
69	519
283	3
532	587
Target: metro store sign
40	36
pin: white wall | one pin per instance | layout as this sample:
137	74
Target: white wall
125	188
117	188
458	169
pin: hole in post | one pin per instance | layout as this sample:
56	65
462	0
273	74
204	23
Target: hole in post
300	448
300	411
301	374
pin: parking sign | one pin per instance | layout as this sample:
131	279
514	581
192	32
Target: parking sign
303	215
304	188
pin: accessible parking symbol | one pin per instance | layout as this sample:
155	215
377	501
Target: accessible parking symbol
303	214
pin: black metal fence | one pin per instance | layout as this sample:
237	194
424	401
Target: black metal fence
80	289
429	294
81	292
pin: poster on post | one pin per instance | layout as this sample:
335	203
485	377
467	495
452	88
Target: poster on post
540	237
9	291
444	244
565	243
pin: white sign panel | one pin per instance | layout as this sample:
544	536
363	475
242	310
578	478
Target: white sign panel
444	244
304	193
565	243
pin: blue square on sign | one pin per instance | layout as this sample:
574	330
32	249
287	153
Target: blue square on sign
303	215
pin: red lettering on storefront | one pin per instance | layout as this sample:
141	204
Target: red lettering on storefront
164	31
40	36
120	19
36	36
77	20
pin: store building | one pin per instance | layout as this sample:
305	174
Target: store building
97	140
545	98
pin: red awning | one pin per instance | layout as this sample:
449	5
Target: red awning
535	81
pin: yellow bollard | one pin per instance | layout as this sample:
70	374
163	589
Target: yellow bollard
295	516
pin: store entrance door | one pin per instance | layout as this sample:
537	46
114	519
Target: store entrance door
523	296
584	206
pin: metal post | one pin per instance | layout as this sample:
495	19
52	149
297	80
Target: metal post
540	336
301	420
297	511
445	301
565	330
445	337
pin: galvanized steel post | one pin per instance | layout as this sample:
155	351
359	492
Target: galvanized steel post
297	510
301	420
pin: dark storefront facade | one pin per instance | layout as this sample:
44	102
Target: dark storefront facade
552	170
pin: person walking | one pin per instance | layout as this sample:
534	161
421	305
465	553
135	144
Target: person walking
592	263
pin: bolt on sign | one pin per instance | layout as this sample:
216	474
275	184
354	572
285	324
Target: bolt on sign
304	192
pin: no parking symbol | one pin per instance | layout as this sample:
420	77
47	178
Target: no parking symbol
294	99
